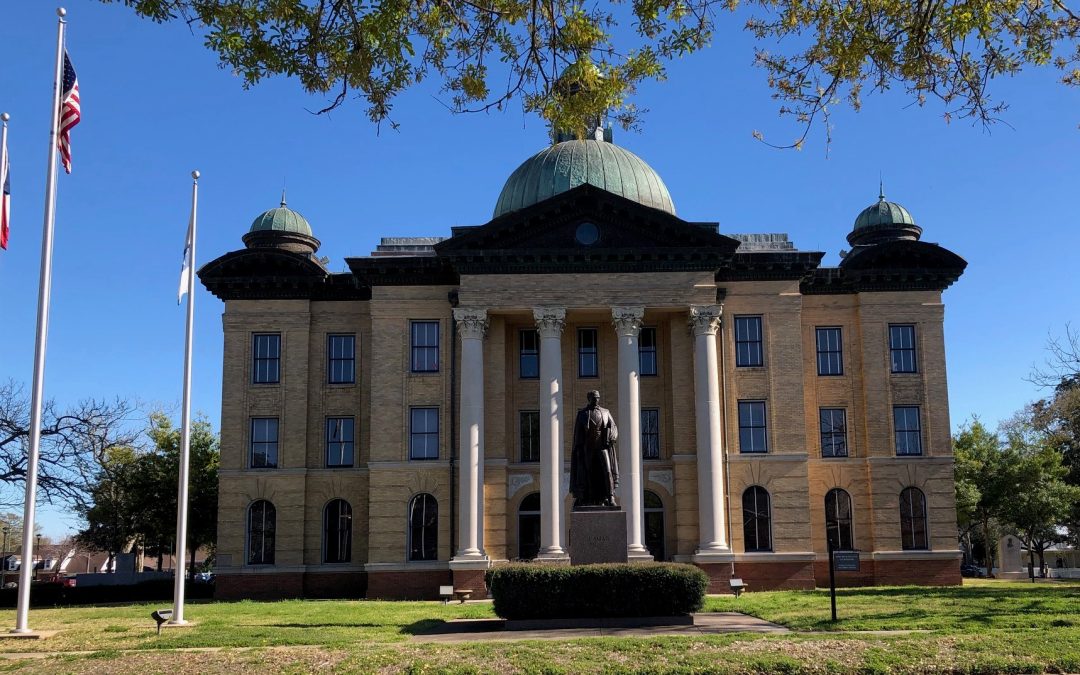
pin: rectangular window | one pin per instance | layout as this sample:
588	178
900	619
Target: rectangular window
266	358
908	430
424	433
650	433
339	441
341	359
752	436
748	350
530	436
830	352
902	348
834	432
588	362
529	354
425	346
647	352
264	442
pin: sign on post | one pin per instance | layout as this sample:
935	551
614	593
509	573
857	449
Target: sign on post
840	561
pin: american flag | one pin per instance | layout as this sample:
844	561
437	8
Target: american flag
5	196
70	113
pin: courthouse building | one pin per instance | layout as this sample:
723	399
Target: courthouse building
407	424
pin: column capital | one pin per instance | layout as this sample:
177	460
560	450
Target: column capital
627	320
471	322
705	319
550	321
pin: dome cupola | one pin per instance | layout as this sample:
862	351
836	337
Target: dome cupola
570	163
883	221
282	228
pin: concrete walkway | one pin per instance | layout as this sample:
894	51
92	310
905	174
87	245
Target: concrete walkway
485	630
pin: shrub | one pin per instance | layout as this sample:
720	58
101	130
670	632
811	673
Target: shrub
56	595
532	591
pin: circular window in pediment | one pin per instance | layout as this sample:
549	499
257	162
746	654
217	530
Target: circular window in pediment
587	234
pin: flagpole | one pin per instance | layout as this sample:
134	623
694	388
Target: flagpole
185	425
4	117
44	295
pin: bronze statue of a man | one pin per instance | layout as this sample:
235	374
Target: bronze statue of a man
594	467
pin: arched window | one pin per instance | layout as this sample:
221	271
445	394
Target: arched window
423	528
529	527
337	532
654	525
262	522
913	519
838	520
757	519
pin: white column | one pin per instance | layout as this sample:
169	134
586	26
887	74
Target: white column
627	322
549	323
704	321
472	324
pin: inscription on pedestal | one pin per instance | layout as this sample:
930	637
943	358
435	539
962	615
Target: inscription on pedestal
597	537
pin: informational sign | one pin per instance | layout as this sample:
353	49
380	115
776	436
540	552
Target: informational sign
846	561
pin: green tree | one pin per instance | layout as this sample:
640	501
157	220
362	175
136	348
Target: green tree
982	480
485	53
112	511
202	483
1039	499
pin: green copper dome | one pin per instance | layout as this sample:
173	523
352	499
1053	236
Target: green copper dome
883	213
281	219
571	163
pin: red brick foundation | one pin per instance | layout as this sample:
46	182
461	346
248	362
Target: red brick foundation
761	576
472	580
258	586
346	585
417	585
933	572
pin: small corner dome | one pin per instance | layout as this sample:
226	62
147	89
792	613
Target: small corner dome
281	219
566	165
883	213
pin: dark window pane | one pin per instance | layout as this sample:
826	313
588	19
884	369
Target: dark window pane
530	436
423	528
830	351
339	441
653	516
266	358
650	434
588	361
337	532
908	430
748	346
757	519
262	523
752	430
913	533
424	433
647	351
838	520
264	442
902	349
834	432
341	359
425	346
529	354
529	527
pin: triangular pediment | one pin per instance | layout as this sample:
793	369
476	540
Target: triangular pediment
589	227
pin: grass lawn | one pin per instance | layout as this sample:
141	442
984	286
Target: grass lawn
980	627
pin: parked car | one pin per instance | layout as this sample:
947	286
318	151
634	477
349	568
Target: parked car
970	570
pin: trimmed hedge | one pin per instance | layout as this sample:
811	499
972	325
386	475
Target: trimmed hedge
57	595
535	591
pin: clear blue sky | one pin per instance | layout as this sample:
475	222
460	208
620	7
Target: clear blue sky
155	106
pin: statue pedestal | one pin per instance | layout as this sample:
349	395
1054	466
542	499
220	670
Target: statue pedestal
597	535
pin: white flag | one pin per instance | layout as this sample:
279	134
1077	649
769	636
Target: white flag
185	270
